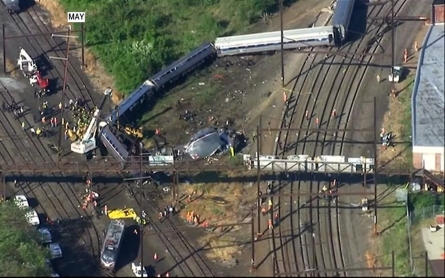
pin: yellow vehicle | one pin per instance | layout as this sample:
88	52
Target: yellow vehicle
72	135
134	132
122	213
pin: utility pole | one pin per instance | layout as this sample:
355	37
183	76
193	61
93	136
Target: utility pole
4	47
393	44
141	226
82	26
65	77
376	167
282	43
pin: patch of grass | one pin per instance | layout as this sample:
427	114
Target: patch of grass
394	236
395	239
398	121
134	39
405	117
11	68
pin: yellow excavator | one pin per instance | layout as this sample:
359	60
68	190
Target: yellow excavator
133	132
73	136
122	213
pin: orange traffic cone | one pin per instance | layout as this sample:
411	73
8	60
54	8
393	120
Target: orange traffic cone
155	256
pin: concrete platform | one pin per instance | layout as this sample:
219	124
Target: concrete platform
434	245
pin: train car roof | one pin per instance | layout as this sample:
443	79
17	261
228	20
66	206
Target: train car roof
275	34
134	97
343	11
114	233
273	37
204	143
203	47
121	153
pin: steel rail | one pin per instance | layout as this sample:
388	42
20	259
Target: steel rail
318	271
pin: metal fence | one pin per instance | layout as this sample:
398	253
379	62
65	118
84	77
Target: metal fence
416	220
422	214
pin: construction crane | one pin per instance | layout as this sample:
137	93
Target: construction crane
88	142
26	64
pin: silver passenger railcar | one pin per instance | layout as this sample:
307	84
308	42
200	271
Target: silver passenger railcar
112	243
271	41
136	98
183	66
113	145
341	20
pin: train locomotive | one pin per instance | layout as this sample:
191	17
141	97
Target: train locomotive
12	6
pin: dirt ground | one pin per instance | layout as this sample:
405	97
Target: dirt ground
238	89
401	154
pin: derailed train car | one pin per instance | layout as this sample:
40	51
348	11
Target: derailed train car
335	34
12	6
271	41
183	66
341	19
156	83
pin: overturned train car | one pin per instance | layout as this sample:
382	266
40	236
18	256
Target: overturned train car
147	90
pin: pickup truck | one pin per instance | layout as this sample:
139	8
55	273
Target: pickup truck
138	270
397	75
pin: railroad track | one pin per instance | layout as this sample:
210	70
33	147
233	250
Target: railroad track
316	259
63	199
81	89
54	45
33	24
186	269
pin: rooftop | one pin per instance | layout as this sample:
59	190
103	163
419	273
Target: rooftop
428	92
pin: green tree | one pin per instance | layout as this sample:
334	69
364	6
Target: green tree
422	199
20	253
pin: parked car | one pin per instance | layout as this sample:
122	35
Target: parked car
32	217
55	251
21	201
45	235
